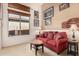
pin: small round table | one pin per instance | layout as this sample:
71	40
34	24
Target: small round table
73	47
36	44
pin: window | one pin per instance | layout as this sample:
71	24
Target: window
14	26
19	19
24	25
18	25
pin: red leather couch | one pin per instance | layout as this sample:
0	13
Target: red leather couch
56	41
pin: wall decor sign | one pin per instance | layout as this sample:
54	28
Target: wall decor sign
68	23
36	18
48	14
63	6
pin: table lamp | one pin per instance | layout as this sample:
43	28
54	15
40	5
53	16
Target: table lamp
73	28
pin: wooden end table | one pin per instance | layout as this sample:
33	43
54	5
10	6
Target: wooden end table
36	44
73	47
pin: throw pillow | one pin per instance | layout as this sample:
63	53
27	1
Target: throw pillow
57	36
63	34
50	36
45	34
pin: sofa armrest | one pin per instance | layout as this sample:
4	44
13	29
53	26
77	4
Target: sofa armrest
61	41
37	36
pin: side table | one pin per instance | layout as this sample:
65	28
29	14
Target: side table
72	47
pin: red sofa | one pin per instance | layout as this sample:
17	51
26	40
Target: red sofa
56	41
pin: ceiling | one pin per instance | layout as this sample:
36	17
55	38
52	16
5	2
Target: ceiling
31	4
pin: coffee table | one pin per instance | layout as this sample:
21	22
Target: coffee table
36	44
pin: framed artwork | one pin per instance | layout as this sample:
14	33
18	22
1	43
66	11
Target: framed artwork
64	6
48	14
48	21
36	18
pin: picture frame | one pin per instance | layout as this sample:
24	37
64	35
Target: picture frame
36	18
64	6
48	21
48	14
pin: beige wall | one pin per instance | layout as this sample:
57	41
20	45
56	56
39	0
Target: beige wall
60	16
14	40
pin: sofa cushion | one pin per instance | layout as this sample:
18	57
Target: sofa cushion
40	35
63	34
51	42
56	36
55	32
59	36
50	35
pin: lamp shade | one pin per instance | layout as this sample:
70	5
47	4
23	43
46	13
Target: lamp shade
73	27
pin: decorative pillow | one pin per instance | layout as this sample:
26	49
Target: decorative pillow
61	37
55	32
45	34
57	36
50	36
63	34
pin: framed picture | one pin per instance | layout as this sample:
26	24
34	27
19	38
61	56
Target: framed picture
48	14
48	21
63	6
36	18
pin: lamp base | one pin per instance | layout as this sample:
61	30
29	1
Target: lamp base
73	40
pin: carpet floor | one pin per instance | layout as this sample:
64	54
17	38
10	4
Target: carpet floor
24	50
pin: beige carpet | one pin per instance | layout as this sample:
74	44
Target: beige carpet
24	50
